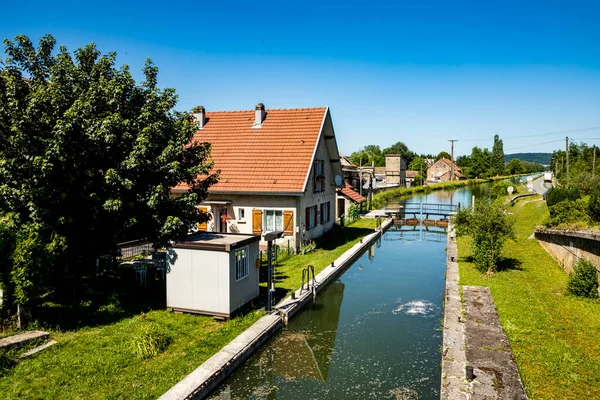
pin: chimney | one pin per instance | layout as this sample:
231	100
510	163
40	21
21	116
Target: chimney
199	116
259	115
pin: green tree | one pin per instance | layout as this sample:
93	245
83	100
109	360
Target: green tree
402	149
418	164
515	166
490	227
443	154
368	155
497	157
88	158
480	163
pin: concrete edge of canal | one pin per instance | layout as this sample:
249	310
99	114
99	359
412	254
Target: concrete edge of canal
454	383
200	382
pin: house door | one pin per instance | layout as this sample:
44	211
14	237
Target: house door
220	220
341	208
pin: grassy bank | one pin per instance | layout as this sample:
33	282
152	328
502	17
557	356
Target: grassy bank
555	337
382	198
288	274
97	361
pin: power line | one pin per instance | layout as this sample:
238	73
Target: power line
532	145
592	128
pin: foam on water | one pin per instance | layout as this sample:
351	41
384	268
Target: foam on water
415	307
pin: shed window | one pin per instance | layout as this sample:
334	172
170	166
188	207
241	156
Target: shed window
273	220
241	263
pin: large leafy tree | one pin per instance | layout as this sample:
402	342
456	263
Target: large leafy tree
88	158
497	156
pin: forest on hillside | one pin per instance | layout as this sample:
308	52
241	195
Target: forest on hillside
537	158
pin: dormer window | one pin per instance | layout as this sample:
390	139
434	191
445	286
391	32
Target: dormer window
319	176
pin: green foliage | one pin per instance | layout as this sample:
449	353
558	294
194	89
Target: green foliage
594	206
581	159
500	189
88	158
443	154
533	158
556	195
490	227
515	167
583	281
308	247
353	212
567	211
497	157
586	182
149	341
418	164
419	180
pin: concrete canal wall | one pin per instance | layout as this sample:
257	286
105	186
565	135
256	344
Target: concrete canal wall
216	369
568	246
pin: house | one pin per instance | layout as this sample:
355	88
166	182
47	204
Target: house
441	170
212	274
410	177
347	196
279	170
351	172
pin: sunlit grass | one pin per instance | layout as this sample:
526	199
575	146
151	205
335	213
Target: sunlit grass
555	337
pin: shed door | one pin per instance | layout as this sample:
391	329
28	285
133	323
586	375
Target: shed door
203	225
288	222
256	221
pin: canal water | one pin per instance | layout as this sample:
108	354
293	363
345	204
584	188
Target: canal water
375	333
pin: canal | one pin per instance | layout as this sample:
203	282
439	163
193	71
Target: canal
375	333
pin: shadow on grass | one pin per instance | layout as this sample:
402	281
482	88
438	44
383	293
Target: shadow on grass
504	264
339	236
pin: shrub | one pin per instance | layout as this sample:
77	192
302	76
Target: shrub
586	182
149	341
594	206
567	211
556	195
500	189
418	180
308	247
584	280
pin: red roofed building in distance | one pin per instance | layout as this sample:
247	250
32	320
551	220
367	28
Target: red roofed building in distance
279	171
441	171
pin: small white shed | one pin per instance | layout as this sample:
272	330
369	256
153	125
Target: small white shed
212	273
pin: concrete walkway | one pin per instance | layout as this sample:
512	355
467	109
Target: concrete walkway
454	360
488	349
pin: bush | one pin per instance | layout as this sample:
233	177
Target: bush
418	180
556	194
586	182
149	341
594	206
500	189
567	211
584	280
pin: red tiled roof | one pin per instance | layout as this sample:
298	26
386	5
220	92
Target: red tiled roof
351	194
273	158
456	167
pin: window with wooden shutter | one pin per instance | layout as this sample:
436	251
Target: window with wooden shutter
316	216
322	213
204	225
307	219
328	211
257	221
288	222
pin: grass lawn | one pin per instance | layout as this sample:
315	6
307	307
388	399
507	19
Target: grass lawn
288	274
98	362
94	358
555	337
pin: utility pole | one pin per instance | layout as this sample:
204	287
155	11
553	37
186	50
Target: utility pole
452	159
567	150
594	163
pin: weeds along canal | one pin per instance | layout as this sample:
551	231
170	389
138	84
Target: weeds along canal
375	333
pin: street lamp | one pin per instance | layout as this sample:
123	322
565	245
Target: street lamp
269	237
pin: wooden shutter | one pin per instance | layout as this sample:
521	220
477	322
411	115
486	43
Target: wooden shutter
307	219
204	225
316	216
256	221
288	222
322	214
322	175
328	211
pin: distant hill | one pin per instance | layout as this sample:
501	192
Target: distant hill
538	158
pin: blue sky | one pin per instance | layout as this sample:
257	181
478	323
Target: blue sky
418	72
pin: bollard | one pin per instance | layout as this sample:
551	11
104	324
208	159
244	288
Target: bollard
470	374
